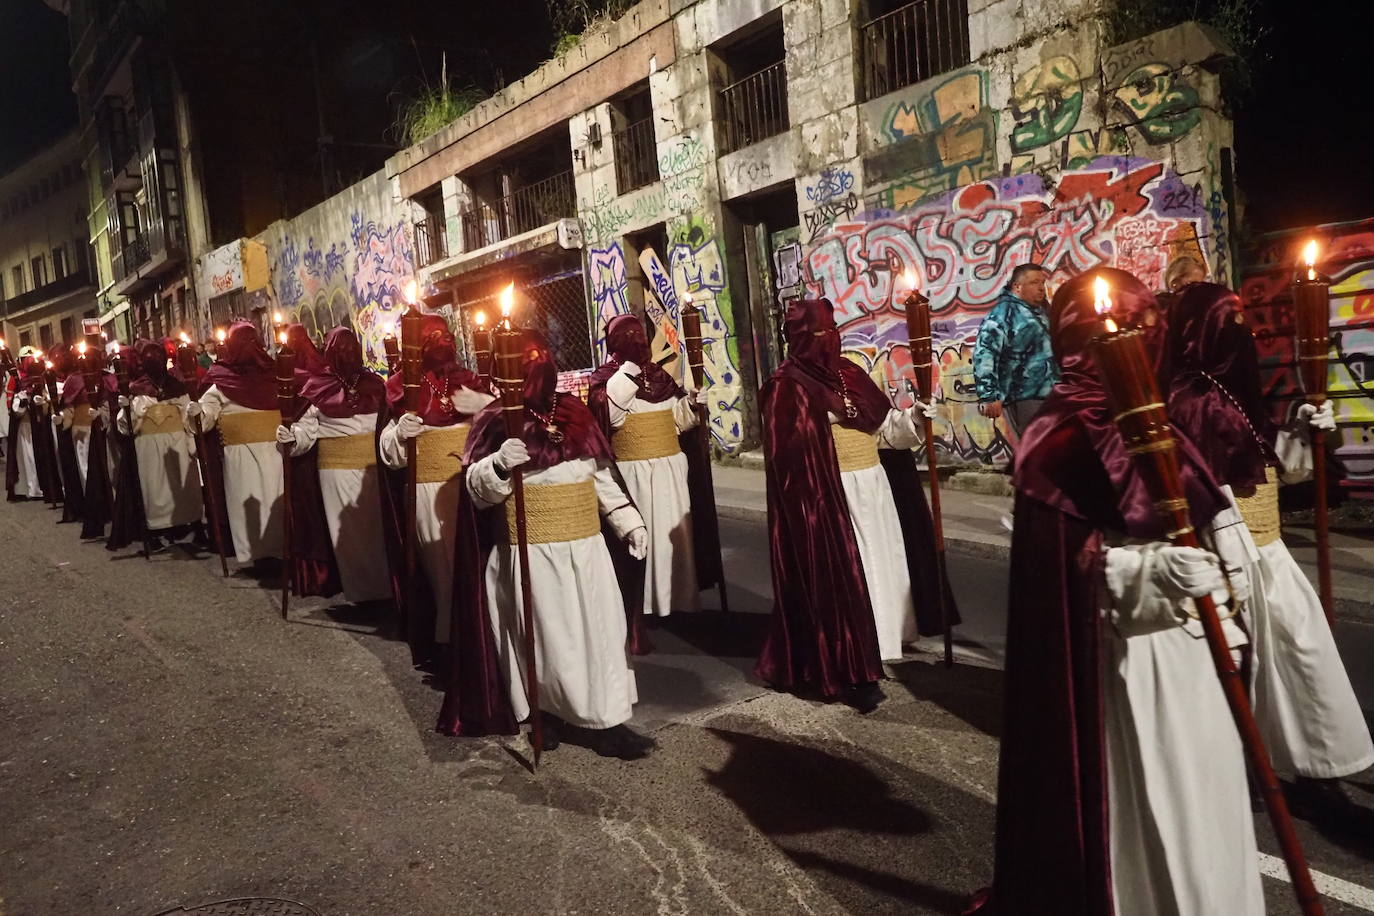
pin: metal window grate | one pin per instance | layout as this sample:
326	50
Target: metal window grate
636	155
520	211
755	108
430	244
914	43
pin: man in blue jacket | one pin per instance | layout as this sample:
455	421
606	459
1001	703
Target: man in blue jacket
1013	363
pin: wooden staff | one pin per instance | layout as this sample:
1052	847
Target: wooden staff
481	347
46	429
1312	323
696	364
919	346
510	381
412	371
186	363
286	406
1138	411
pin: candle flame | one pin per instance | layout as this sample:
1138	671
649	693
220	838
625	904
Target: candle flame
507	300
281	338
909	278
1102	299
480	319
276	317
1309	256
410	290
47	363
687	299
1111	325
185	338
80	348
220	335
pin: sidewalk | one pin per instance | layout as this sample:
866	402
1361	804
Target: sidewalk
973	524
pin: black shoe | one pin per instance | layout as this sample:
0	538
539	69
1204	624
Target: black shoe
623	742
865	697
549	728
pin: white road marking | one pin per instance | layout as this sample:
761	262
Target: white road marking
1327	886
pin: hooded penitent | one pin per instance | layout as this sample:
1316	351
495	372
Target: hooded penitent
1214	393
244	372
344	387
823	632
441	377
1074	481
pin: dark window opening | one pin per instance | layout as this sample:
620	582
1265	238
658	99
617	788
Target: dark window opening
903	44
753	101
633	140
431	242
531	188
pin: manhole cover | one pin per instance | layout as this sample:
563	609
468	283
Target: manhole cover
247	906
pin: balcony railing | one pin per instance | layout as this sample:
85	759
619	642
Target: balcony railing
636	155
130	258
528	208
68	284
913	43
430	242
755	108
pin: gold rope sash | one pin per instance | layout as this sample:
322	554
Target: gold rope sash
1261	510
439	453
249	427
856	450
557	512
81	415
652	434
347	453
164	417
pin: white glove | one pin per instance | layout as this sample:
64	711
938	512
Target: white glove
1187	572
629	368
122	401
512	454
1322	418
193	410
920	409
701	397
38	400
409	426
638	542
285	436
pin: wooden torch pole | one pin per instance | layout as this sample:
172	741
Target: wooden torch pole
1138	410
286	406
510	380
412	372
919	346
1312	324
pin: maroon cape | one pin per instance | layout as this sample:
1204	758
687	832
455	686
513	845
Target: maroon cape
314	571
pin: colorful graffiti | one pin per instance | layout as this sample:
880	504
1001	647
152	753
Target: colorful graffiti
1046	101
831	183
662	308
1348	259
609	285
682	172
1159	101
936	140
831	211
697	267
356	283
964	244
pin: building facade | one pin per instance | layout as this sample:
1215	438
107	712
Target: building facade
45	280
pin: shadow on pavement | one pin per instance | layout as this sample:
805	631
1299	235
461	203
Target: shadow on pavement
971	694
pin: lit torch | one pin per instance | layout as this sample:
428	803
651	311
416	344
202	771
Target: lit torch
1312	327
481	346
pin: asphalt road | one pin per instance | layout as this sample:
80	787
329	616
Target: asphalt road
167	741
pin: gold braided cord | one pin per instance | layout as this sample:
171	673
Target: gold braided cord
1178	504
249	427
81	415
1179	532
856	450
439	452
1135	410
555	513
1261	510
347	453
1159	445
164	417
652	434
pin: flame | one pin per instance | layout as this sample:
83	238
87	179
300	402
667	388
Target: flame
80	348
115	344
220	334
507	300
1102	299
281	338
1110	325
480	319
276	317
687	299
1309	256
2	343
185	338
47	364
909	278
409	291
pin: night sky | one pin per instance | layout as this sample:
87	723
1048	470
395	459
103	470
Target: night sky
1303	135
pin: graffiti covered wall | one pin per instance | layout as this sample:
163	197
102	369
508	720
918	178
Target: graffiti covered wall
1348	259
1128	212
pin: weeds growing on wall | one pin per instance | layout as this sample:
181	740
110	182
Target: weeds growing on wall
1237	21
571	18
434	108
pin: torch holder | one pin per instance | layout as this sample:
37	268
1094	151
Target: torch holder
691	334
1312	328
412	346
510	378
918	343
286	383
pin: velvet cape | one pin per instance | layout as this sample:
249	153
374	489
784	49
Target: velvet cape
1075	482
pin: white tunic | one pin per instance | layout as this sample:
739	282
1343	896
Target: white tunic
352	507
1182	834
583	669
658	487
436	514
28	484
252	485
168	475
81	436
882	546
